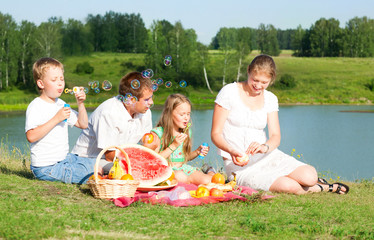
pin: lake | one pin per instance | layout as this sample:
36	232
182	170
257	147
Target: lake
334	141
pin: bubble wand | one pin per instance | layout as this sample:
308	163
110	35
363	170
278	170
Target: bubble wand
188	125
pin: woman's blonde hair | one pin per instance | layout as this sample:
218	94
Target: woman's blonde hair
265	64
166	122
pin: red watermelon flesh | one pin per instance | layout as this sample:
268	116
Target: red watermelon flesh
146	165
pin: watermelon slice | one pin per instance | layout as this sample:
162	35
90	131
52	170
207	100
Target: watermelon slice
144	164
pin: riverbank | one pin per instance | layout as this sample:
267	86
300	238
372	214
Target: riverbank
21	109
318	81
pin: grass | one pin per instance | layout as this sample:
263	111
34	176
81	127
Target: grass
319	80
35	209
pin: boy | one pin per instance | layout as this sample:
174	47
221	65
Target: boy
46	127
119	120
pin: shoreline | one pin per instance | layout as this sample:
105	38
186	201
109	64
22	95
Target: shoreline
210	106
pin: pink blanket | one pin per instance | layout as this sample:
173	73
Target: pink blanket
170	197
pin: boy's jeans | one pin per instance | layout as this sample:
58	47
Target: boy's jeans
73	169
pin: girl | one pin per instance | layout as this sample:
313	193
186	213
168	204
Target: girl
267	167
173	142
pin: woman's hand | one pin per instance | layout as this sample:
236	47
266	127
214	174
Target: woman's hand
239	158
255	147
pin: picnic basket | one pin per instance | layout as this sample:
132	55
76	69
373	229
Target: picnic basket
107	188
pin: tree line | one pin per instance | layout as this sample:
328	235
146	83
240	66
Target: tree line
21	44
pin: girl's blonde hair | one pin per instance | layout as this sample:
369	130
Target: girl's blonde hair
264	64
166	122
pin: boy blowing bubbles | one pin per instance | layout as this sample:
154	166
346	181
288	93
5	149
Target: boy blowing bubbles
46	127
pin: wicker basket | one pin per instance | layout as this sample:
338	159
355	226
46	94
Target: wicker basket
106	188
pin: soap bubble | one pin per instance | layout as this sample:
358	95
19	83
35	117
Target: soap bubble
167	60
97	90
147	73
94	84
106	85
85	89
150	72
135	84
67	90
160	81
154	87
183	84
133	100
168	84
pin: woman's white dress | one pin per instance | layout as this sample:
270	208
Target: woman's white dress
244	126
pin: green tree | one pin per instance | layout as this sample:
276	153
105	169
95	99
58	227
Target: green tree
297	41
48	38
109	33
204	59
325	38
95	26
267	40
285	38
243	47
9	47
158	48
75	39
181	44
359	38
27	47
227	40
137	34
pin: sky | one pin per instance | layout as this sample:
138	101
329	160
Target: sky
206	17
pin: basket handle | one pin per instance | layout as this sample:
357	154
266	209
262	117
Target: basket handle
127	159
96	168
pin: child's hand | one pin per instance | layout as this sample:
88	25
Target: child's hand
80	96
179	139
63	113
203	150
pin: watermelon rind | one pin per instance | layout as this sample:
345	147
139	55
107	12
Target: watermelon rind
147	172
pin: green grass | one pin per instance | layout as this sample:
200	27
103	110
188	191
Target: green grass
319	80
33	209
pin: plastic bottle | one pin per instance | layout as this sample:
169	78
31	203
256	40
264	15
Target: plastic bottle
66	105
201	156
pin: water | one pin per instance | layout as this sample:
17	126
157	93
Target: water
337	142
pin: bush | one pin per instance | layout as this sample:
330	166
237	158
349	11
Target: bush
84	68
370	85
287	81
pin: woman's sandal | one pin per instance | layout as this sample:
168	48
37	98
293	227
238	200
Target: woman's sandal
323	181
331	187
340	185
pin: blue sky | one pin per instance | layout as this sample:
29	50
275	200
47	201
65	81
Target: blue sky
206	17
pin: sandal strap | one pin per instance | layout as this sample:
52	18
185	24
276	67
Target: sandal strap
338	188
320	187
323	181
331	187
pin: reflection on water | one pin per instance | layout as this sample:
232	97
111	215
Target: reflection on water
326	137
